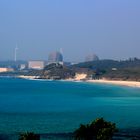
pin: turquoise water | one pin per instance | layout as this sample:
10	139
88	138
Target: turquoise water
58	106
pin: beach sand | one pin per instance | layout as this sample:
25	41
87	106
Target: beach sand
115	82
27	77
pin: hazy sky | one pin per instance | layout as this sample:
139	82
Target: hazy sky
109	28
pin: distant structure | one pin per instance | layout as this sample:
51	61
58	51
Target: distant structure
55	57
6	69
16	53
22	66
91	57
38	65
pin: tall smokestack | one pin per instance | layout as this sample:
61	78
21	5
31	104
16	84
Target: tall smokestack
16	53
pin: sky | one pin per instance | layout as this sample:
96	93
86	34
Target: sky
108	28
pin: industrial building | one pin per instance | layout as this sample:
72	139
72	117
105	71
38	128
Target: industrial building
55	57
91	57
36	65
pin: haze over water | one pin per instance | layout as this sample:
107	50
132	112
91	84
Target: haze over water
57	106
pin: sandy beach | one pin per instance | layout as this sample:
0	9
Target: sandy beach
80	77
27	77
115	82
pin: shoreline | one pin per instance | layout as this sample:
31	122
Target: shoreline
100	81
116	82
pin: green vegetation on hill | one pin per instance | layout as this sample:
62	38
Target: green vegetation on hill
53	71
116	70
132	74
57	71
109	64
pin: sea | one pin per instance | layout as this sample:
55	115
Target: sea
57	108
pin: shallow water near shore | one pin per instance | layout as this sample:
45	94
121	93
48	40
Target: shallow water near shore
60	107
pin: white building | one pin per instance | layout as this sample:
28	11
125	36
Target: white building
36	65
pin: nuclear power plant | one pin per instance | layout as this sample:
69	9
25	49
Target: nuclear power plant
91	57
55	57
36	65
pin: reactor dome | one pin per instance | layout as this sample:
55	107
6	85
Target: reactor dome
91	57
55	57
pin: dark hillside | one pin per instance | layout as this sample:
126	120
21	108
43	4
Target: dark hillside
115	70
